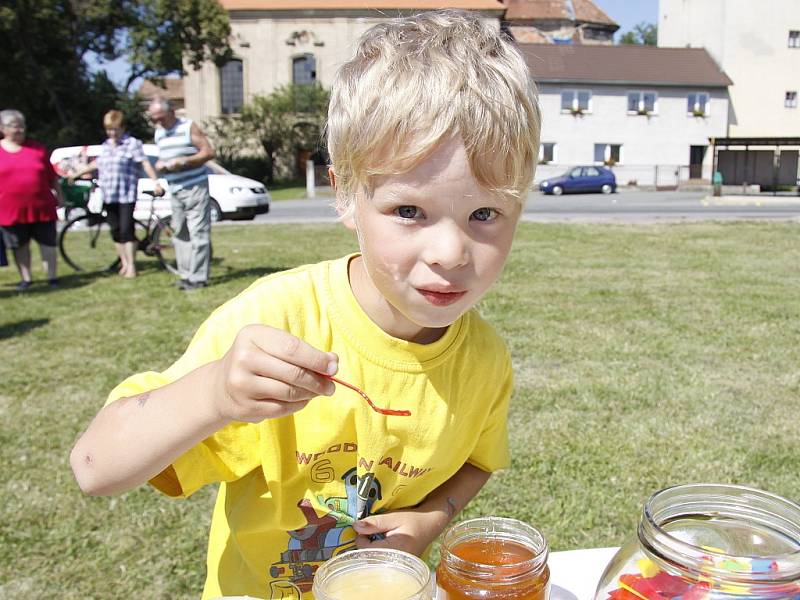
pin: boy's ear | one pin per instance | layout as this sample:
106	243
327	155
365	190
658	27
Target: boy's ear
345	218
348	222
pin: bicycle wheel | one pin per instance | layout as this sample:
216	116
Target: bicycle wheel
85	244
162	247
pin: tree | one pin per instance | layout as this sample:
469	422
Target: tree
289	119
643	34
167	32
43	72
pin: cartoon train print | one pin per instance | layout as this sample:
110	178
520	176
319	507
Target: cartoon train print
323	537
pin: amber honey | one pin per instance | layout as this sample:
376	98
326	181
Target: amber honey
493	558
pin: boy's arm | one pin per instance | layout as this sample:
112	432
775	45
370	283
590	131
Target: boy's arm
267	373
133	439
414	529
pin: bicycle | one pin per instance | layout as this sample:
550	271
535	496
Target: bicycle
86	245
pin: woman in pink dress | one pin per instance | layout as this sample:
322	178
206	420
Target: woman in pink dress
29	194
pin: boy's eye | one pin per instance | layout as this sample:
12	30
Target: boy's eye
484	214
407	212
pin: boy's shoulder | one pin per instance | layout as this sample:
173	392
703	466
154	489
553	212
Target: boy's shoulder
285	287
484	340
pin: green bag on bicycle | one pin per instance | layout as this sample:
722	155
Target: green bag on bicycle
77	194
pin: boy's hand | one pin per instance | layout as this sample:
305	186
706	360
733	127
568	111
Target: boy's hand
269	373
411	530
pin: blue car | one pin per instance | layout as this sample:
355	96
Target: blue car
581	179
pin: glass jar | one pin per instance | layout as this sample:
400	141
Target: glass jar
492	558
360	574
709	542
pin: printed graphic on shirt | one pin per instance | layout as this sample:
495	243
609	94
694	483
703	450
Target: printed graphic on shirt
327	533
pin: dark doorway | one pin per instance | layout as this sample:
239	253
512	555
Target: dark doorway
696	156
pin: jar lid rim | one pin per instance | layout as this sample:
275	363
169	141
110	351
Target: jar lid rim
541	550
663	543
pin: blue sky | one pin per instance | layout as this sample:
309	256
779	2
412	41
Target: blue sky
627	13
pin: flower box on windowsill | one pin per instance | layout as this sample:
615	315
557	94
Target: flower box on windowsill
576	111
698	113
643	111
610	162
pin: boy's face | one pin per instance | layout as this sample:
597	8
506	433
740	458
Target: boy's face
432	241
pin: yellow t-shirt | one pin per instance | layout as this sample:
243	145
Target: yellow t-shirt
291	487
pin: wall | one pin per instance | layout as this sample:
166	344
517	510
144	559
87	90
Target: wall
662	139
749	41
260	41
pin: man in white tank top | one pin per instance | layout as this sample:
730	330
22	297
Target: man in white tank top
183	150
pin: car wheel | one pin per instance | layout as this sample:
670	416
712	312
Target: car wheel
557	190
215	210
606	189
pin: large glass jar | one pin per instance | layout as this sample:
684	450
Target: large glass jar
492	558
709	542
368	574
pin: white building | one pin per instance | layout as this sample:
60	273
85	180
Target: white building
647	111
757	44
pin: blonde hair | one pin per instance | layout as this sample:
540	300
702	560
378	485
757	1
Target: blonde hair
113	119
417	81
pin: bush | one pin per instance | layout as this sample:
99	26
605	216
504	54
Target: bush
254	167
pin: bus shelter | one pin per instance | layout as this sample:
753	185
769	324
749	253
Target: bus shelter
770	162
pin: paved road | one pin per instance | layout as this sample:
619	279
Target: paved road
623	207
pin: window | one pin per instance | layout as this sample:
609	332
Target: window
231	82
304	69
791	100
547	152
642	103
697	104
591	172
608	154
794	38
576	101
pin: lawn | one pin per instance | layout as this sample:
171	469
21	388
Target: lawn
645	356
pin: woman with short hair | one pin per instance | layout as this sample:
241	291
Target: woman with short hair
119	167
29	195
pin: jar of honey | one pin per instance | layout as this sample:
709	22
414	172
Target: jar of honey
360	574
493	558
709	542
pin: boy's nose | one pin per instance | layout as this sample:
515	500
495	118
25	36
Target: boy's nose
447	246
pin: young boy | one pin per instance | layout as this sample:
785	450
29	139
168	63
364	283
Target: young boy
433	134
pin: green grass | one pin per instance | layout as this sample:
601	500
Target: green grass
644	356
294	190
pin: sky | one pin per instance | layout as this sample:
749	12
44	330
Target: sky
627	13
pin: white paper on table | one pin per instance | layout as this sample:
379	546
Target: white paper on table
574	574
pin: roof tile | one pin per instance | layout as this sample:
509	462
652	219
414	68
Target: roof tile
584	11
233	5
624	63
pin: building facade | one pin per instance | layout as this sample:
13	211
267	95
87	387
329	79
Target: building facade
757	44
647	112
279	42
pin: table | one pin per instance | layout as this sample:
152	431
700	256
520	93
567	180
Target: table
574	574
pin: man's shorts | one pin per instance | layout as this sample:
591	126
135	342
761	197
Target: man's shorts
18	235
